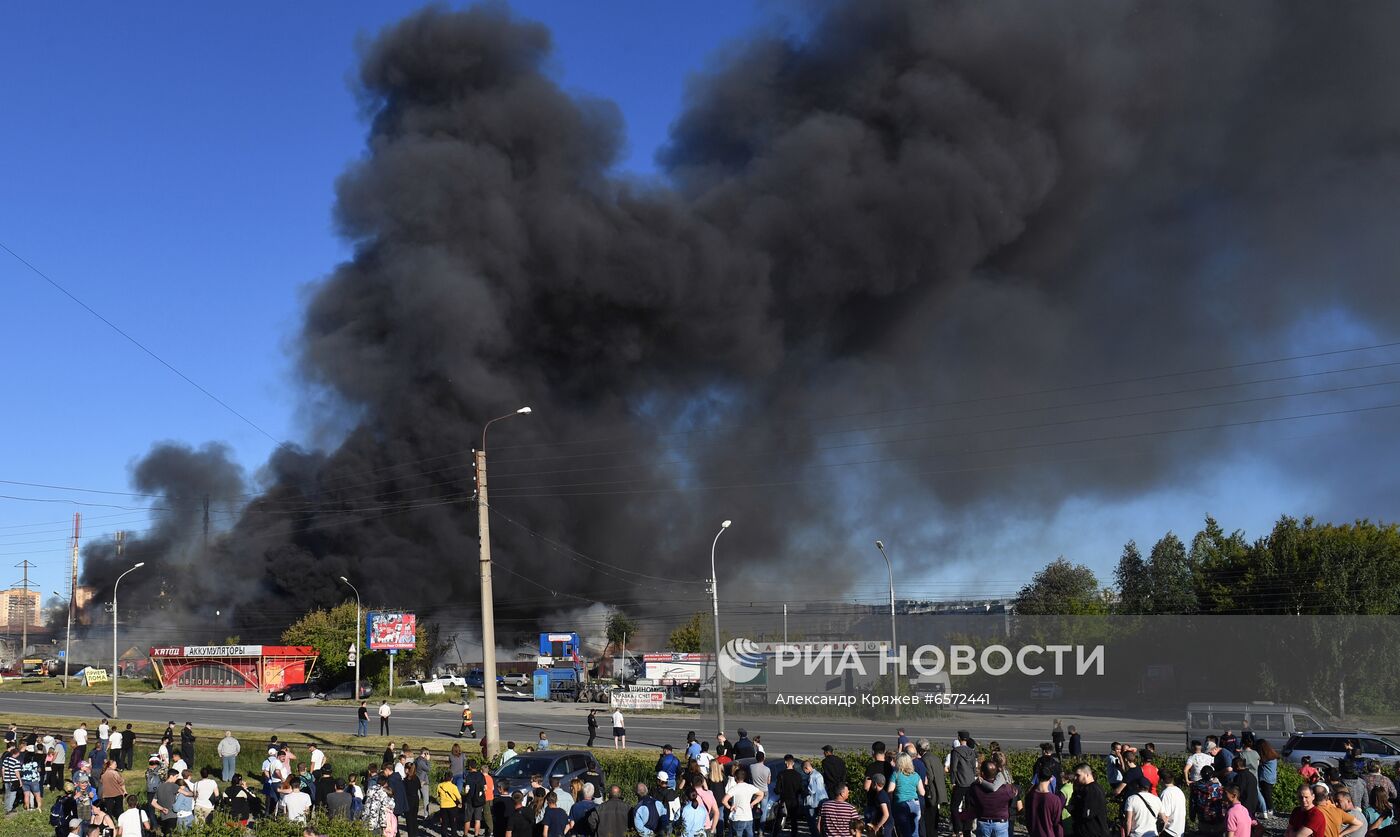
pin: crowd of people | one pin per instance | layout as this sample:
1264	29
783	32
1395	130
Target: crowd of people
725	789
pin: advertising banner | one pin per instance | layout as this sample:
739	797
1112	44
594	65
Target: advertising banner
638	700
391	630
95	675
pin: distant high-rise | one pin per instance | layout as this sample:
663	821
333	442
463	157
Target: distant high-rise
19	606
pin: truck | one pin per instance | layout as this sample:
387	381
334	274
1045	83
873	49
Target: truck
560	673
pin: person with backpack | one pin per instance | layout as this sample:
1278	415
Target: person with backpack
378	814
152	779
63	809
474	799
648	816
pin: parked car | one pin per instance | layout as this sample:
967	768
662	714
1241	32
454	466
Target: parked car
520	680
1329	747
476	679
345	691
565	764
296	691
455	680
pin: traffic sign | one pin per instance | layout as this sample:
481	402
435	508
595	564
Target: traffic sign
62	654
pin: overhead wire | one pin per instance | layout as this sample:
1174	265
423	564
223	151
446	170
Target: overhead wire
137	343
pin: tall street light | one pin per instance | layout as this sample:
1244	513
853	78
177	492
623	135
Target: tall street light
134	568
488	602
357	636
714	597
894	637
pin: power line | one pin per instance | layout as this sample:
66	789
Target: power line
137	343
1008	448
985	398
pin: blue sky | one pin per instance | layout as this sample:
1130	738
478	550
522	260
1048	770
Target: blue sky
173	165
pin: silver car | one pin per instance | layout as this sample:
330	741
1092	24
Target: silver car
1329	747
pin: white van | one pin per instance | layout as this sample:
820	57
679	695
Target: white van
1274	721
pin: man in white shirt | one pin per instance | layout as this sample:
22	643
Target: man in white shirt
619	731
1173	807
318	758
179	764
132	820
80	736
114	747
1141	808
384	717
1195	762
206	790
509	752
103	731
296	804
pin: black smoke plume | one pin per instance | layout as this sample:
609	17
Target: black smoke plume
909	203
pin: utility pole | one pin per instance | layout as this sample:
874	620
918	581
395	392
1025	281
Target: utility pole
488	608
72	594
488	601
24	610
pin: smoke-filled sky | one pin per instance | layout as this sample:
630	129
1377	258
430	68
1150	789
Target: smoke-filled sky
917	271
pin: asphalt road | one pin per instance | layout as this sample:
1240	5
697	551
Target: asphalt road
564	723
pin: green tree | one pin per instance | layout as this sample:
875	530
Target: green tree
1222	568
620	627
1061	589
330	632
693	636
1134	585
1169	577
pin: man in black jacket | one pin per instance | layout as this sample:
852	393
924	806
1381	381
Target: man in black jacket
1247	783
833	771
1088	808
743	748
935	789
789	788
963	769
187	744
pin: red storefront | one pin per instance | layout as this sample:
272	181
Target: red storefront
252	668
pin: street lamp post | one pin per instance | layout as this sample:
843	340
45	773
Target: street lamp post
894	637
134	568
357	636
488	602
714	598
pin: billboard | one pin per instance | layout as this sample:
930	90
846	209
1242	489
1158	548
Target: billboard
638	700
391	630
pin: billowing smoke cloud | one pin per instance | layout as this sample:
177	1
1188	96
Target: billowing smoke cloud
912	203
